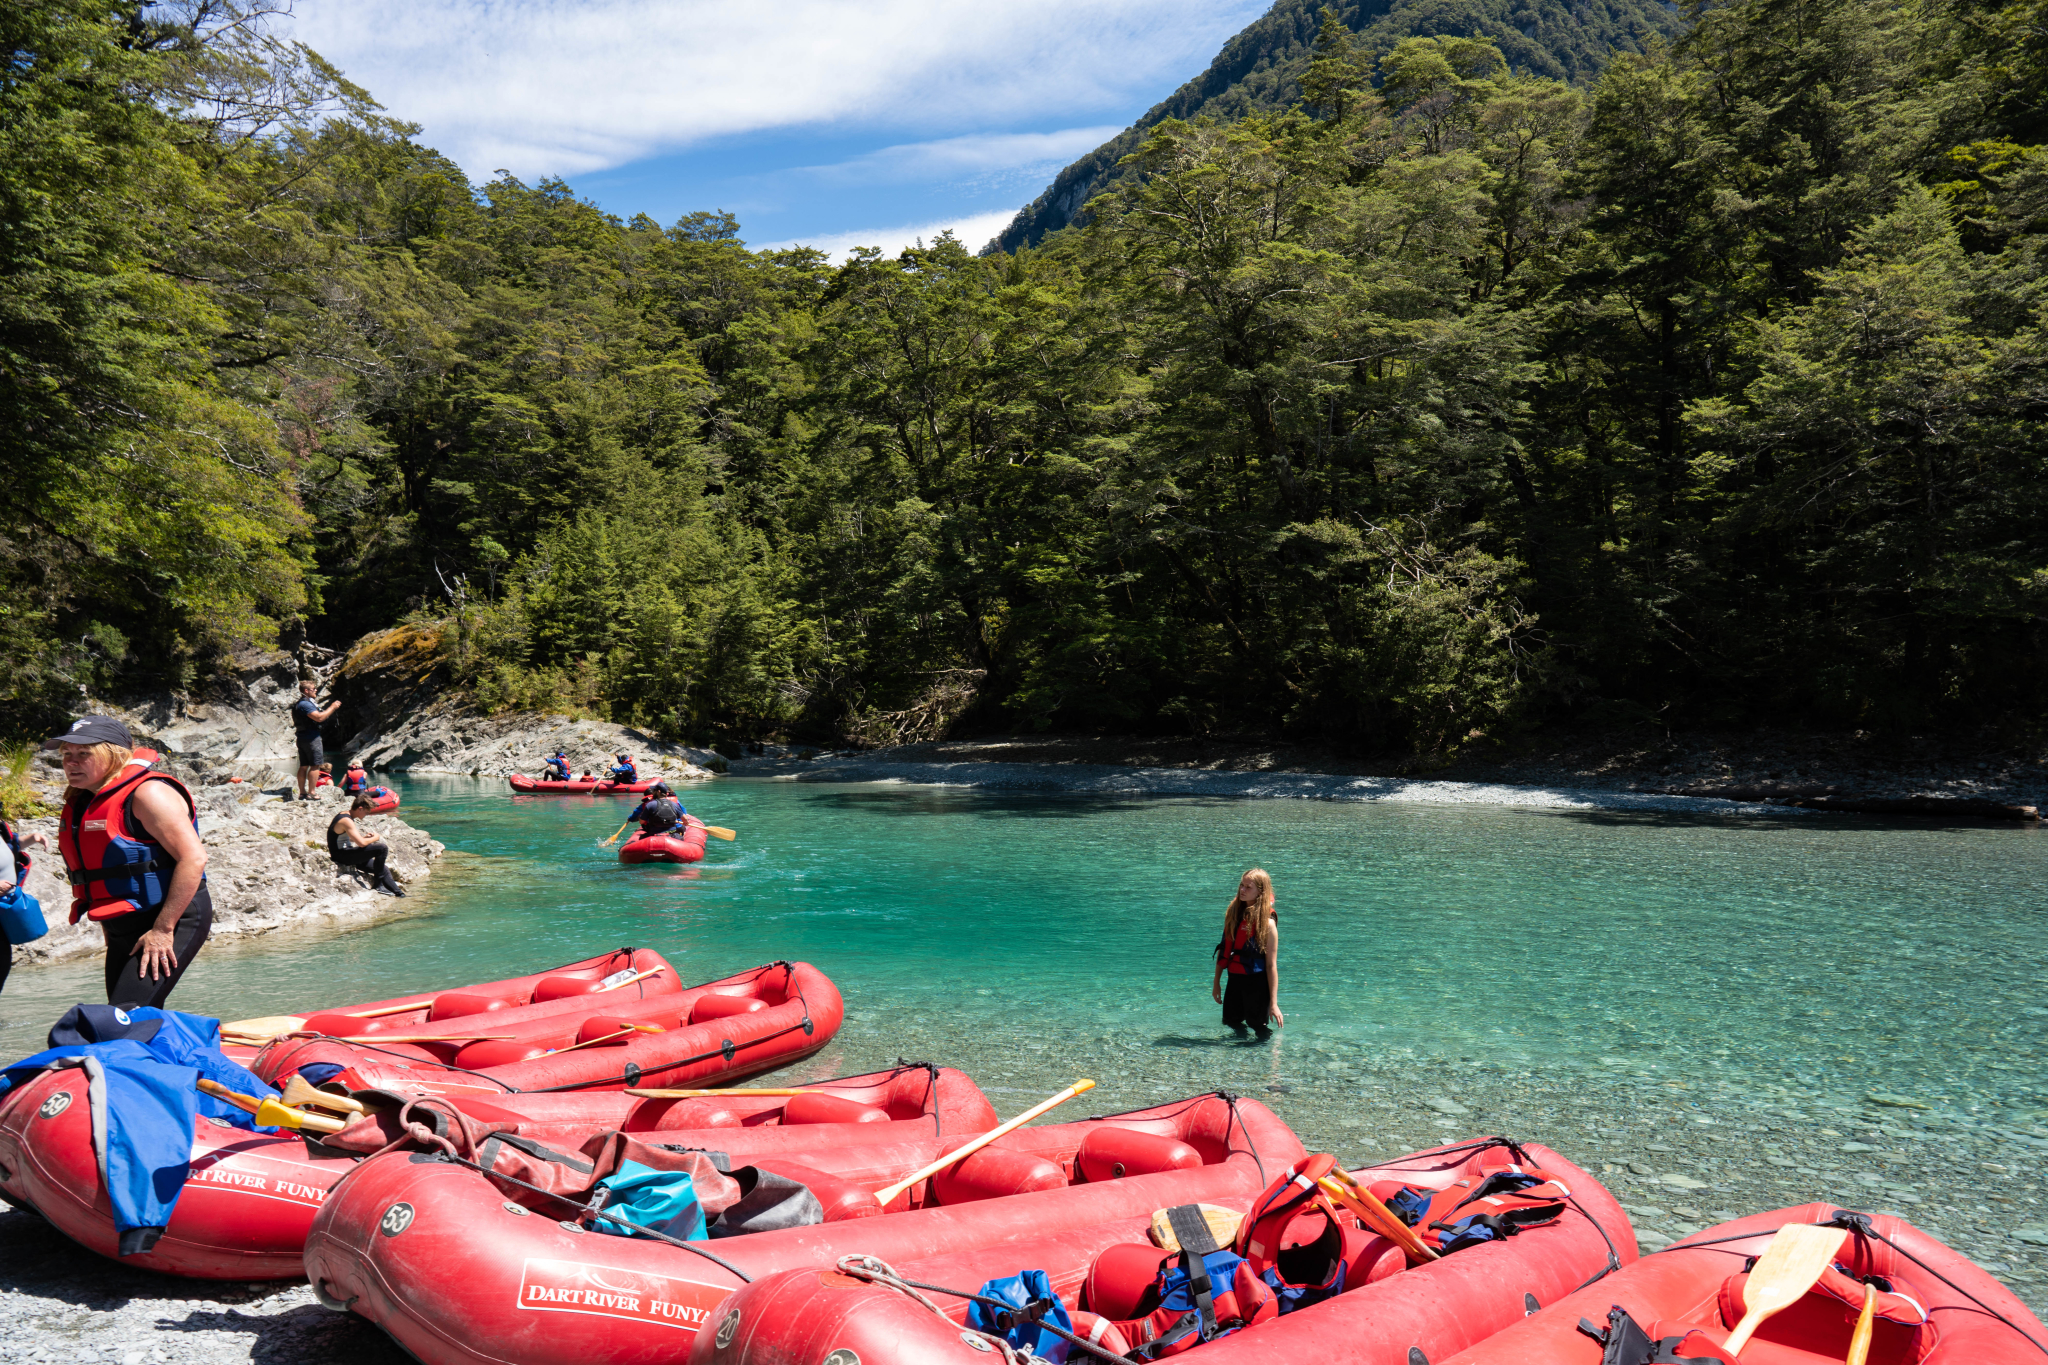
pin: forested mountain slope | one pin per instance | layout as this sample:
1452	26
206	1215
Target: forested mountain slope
1711	393
1260	69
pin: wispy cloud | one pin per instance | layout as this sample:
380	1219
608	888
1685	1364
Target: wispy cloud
973	231
565	86
976	154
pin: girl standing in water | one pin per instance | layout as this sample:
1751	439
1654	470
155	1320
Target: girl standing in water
1250	956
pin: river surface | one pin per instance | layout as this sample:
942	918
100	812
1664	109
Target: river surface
1809	950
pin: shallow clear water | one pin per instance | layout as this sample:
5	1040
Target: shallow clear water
1895	957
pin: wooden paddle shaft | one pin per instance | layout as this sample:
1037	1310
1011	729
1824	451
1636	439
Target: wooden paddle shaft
1859	1344
1080	1087
423	1038
383	1010
1790	1265
221	1092
630	1028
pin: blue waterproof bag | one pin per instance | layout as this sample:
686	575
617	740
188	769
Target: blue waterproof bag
665	1201
21	917
1020	1329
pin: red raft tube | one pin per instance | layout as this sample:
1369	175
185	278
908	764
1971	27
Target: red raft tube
1934	1306
250	1198
580	786
1392	1308
463	1270
714	1033
687	847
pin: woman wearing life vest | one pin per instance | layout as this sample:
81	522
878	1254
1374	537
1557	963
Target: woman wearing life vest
350	845
130	840
14	866
1249	956
355	779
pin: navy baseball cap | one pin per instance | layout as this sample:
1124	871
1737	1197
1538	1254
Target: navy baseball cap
95	730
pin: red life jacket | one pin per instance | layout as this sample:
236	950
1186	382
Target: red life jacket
115	867
1242	955
1497	1205
354	780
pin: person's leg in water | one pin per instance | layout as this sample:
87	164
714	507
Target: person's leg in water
126	985
1247	1001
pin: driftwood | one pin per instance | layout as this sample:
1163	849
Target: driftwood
1941	807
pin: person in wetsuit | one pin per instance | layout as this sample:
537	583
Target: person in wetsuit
1249	955
660	813
131	846
353	846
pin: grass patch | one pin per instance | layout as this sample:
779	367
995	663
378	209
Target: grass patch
17	794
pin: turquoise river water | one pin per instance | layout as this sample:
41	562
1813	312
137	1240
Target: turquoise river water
1813	950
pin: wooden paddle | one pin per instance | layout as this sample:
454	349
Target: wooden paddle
422	1038
382	1010
1340	1186
271	1114
959	1154
637	976
271	1025
630	1028
300	1092
1788	1268
721	832
615	834
1859	1344
700	1094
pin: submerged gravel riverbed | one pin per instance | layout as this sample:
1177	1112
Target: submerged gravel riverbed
1680	1150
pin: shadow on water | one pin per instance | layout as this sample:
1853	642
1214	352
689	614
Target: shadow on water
1794	820
1182	1041
998	806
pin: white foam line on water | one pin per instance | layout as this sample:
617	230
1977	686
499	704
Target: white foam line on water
1110	780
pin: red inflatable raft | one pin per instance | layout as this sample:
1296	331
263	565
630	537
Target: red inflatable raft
251	1197
1388	1311
687	847
585	786
459	1268
720	1031
1935	1307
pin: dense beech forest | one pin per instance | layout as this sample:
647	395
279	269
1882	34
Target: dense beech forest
1450	400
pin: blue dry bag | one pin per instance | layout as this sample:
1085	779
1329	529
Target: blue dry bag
21	917
1020	1324
665	1201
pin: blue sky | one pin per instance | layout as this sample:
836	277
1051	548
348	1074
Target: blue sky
814	121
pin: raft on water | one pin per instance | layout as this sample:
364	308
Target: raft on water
686	847
600	786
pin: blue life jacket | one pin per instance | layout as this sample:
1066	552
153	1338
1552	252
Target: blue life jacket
625	772
558	767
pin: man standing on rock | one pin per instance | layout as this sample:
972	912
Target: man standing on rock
307	715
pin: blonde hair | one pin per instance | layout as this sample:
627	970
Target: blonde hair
103	751
1262	907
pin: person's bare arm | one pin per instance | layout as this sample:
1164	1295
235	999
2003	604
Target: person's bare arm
324	712
163	813
1273	974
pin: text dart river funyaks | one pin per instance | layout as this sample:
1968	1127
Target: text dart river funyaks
719	1031
463	1268
250	1197
1300	1280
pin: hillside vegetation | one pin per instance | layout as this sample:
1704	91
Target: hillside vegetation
1454	399
1260	70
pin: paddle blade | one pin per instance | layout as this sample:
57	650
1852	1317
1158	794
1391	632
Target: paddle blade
299	1092
269	1026
720	832
1788	1268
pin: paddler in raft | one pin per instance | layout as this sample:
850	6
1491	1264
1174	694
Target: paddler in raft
1249	955
623	772
659	812
558	767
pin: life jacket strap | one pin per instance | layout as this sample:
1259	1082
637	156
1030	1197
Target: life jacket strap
84	875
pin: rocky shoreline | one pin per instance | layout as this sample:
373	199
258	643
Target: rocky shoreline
267	867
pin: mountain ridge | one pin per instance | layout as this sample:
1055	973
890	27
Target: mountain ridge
1260	66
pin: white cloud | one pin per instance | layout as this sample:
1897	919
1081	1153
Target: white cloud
974	232
974	154
566	86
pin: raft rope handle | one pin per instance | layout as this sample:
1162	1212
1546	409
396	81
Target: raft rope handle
1860	1224
877	1271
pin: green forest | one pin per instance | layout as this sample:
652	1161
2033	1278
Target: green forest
1710	390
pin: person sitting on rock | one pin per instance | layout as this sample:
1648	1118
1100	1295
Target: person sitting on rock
355	780
323	776
558	767
660	812
354	847
623	772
